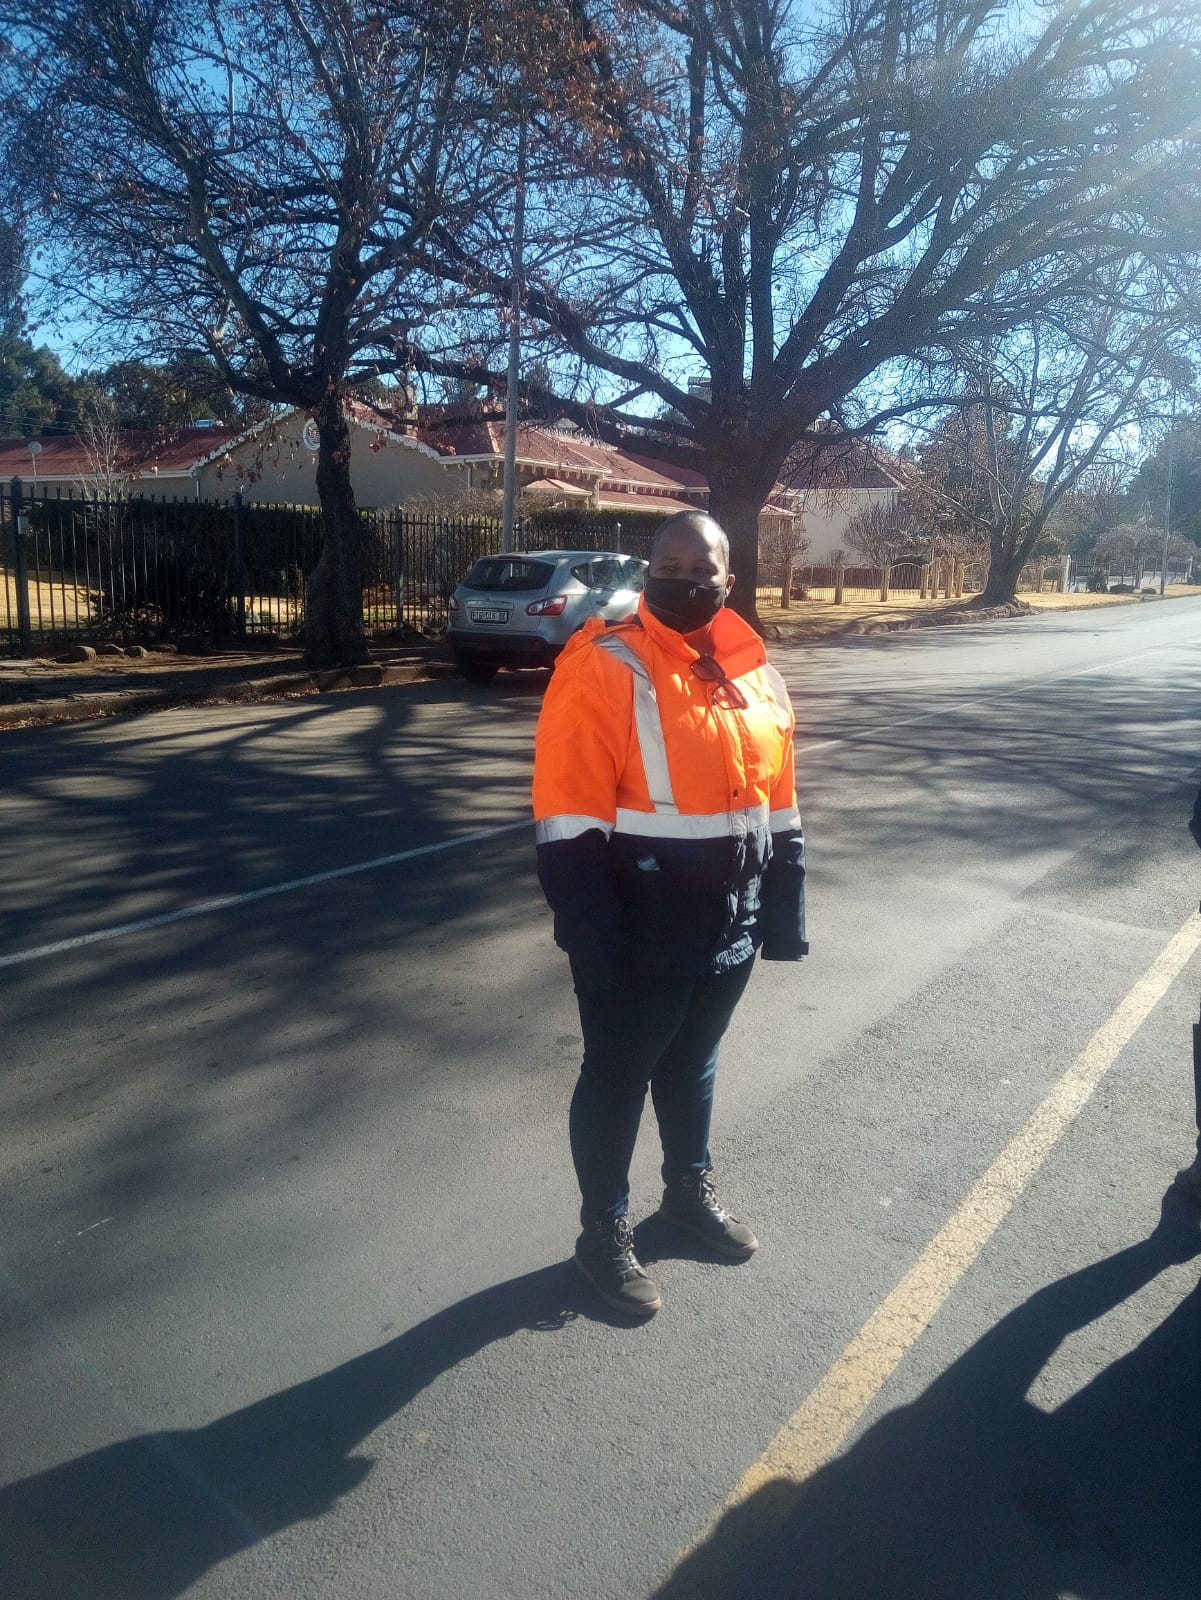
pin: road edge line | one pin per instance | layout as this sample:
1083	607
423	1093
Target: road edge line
825	1419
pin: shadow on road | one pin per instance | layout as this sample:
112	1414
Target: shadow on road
144	1519
970	1492
973	1491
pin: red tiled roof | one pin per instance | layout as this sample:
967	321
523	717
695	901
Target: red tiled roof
622	477
470	436
61	457
66	456
553	486
686	477
615	500
192	445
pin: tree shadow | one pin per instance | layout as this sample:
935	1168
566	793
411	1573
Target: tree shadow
974	1491
145	1518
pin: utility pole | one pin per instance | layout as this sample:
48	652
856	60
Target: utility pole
1167	513
511	386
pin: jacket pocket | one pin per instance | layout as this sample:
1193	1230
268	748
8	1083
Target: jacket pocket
669	910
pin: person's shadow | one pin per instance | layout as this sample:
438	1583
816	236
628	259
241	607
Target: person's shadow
973	1491
969	1492
144	1519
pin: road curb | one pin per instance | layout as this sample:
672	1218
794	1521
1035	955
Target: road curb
88	706
374	675
783	634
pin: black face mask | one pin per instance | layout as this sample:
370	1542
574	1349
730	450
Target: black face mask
681	604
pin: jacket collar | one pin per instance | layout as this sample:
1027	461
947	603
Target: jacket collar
736	645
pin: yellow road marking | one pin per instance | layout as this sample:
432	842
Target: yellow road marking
818	1429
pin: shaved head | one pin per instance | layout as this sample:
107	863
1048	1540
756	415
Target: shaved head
695	529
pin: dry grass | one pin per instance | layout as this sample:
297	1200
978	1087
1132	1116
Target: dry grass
815	618
1080	602
51	605
823	616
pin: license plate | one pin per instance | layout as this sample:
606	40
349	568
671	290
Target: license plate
478	615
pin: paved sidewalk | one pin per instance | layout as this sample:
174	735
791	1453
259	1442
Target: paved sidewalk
44	690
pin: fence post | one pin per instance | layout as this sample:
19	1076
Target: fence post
840	577
617	537
239	578
399	527
21	570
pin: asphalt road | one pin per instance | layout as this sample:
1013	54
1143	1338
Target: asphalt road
286	1208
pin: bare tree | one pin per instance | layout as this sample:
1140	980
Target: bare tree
1054	403
1138	547
257	182
98	429
806	205
884	532
1168	481
780	549
1094	505
103	489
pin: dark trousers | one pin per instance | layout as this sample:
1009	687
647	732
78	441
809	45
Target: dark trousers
658	1032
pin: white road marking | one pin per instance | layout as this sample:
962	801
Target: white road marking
227	902
206	908
824	1421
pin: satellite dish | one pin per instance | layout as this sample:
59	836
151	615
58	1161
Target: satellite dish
35	449
311	435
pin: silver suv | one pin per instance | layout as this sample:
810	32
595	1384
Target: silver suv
519	610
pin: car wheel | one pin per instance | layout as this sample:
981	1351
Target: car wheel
478	671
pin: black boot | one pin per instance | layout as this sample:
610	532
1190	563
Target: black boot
604	1253
690	1201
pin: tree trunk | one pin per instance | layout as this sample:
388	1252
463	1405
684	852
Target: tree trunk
738	491
1007	557
333	628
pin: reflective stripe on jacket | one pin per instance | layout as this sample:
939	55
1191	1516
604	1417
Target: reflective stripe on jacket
669	841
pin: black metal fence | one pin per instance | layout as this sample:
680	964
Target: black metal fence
631	534
76	567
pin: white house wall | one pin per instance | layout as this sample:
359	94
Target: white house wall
827	514
281	471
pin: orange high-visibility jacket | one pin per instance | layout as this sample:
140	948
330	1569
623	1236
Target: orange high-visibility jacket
669	841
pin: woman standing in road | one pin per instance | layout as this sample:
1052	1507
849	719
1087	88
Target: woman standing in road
670	849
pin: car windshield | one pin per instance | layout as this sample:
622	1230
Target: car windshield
508	575
609	572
